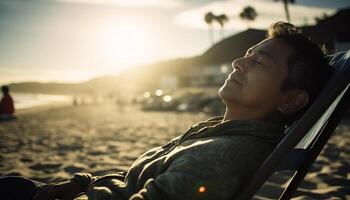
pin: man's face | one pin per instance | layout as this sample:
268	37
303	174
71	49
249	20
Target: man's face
256	80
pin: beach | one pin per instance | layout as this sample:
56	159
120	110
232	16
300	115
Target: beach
52	143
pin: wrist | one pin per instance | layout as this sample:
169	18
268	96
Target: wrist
82	181
77	187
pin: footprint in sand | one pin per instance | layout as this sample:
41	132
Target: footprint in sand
46	167
74	168
12	173
98	150
342	170
26	160
336	181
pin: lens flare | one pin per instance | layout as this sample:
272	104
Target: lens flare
201	189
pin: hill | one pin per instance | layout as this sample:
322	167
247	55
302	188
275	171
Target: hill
148	76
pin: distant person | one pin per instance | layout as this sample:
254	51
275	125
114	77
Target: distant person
75	101
7	109
270	87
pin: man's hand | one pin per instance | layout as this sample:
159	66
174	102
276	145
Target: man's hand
64	191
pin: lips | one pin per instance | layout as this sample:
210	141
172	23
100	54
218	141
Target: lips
233	78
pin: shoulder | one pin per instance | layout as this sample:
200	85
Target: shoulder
230	156
235	144
228	150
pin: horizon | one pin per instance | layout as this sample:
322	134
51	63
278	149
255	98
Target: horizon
73	41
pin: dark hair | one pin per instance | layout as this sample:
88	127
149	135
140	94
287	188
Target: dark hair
5	89
308	68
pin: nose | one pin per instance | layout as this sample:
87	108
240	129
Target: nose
238	65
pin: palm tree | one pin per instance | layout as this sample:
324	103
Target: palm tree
209	18
285	3
248	13
221	19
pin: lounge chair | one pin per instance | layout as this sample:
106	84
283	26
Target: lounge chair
306	138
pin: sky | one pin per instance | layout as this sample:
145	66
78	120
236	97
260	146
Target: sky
76	40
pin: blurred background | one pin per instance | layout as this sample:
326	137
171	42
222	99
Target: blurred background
95	83
160	54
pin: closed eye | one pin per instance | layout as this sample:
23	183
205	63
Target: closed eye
259	62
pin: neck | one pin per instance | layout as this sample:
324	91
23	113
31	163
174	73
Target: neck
239	114
247	114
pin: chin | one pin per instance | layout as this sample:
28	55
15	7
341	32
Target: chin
221	91
229	95
225	91
224	95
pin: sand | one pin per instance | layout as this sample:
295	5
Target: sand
53	143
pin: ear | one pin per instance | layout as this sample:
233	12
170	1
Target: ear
294	101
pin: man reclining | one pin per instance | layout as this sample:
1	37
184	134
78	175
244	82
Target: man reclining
269	88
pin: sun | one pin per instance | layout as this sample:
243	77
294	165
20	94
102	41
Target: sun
128	43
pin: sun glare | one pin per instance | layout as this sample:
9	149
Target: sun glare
128	44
